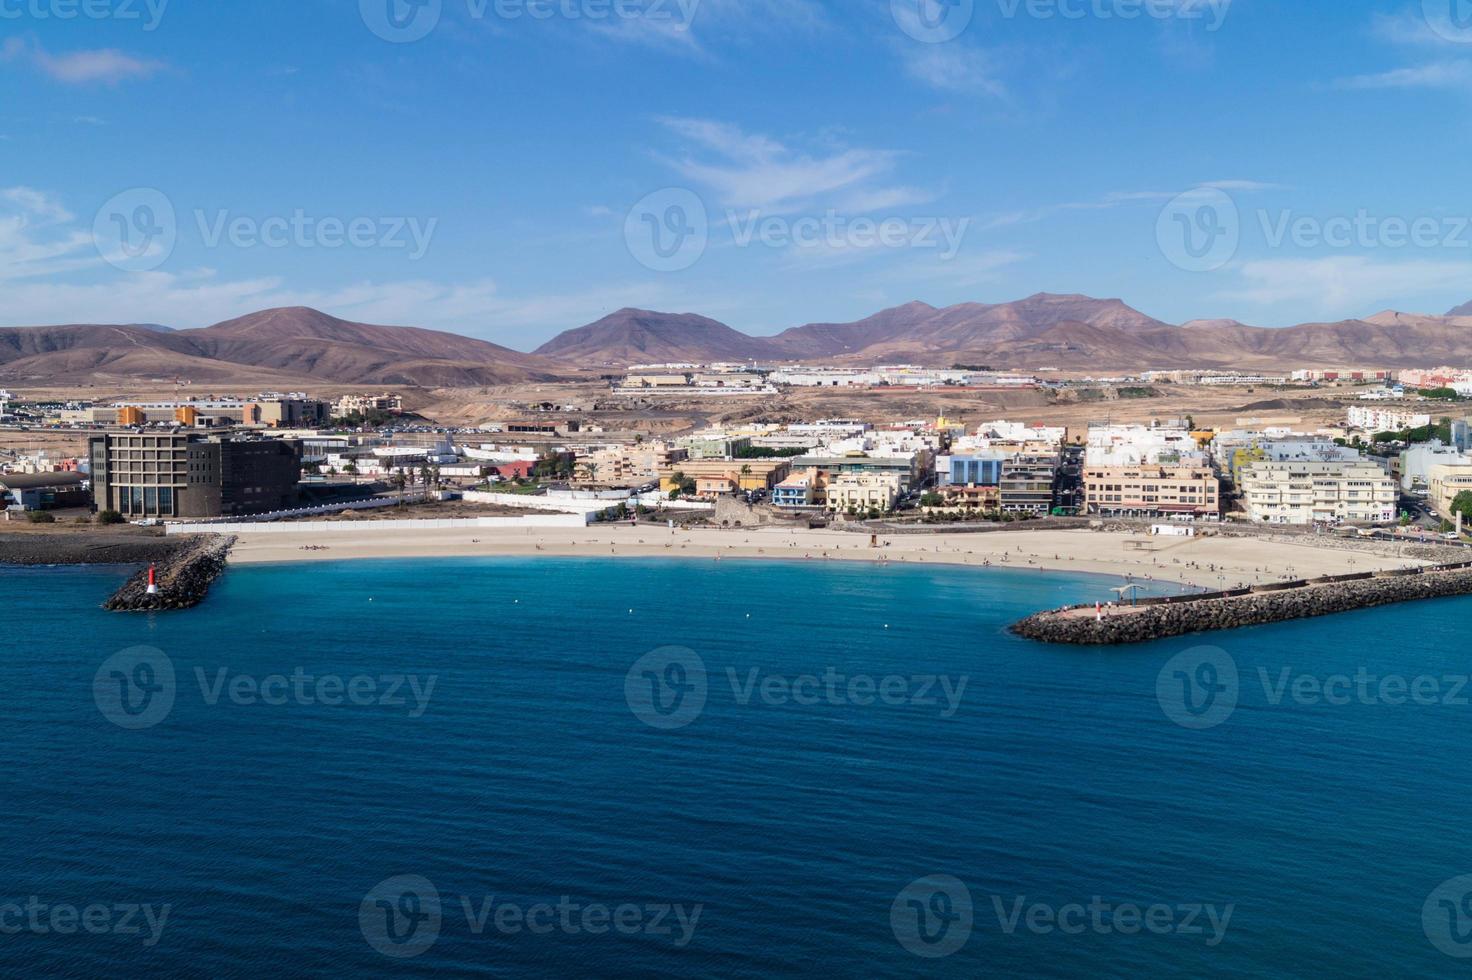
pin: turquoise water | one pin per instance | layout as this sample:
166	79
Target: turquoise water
529	773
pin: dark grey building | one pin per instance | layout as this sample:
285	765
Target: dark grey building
182	475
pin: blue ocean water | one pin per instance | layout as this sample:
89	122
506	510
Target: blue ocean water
793	830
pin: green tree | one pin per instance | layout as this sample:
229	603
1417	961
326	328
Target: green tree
1462	504
110	517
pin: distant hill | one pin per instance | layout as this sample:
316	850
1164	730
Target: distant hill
293	346
300	347
633	336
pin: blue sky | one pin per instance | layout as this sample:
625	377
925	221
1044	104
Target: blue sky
506	175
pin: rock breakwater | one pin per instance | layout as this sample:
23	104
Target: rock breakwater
1181	616
184	578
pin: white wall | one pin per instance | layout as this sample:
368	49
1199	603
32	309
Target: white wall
334	527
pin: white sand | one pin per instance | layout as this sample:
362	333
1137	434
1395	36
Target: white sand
1188	560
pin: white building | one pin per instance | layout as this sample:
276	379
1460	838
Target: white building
1021	432
1299	492
1372	419
1142	445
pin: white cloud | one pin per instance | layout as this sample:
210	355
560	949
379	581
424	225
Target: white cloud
690	28
1119	199
1446	74
749	170
107	65
1343	284
953	67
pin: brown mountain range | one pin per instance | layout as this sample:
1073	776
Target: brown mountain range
284	347
299	347
1070	332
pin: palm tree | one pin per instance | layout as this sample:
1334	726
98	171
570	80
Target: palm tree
399	481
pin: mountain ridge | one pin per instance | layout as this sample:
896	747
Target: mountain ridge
300	346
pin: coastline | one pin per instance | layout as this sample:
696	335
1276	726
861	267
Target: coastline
1204	563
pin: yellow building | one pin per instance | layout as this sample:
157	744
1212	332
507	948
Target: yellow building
1446	481
733	474
863	492
1151	491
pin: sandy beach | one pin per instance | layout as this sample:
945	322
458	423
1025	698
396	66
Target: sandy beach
1206	562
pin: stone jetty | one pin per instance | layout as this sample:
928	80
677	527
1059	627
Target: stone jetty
184	578
1160	618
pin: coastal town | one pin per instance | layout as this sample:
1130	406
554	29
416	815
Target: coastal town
1394	459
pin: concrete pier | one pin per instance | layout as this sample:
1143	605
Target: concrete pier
1160	618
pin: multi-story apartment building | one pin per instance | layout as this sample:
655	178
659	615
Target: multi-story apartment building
178	475
1028	484
977	498
863	492
970	469
714	477
1298	492
807	490
627	466
1373	419
1446	481
1152	491
350	405
1142	445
